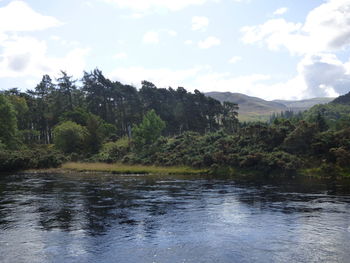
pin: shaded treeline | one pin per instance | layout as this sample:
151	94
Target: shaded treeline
121	106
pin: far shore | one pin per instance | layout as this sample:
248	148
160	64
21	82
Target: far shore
118	168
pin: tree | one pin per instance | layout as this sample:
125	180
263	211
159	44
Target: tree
8	122
98	130
149	129
21	109
67	88
69	137
321	122
229	116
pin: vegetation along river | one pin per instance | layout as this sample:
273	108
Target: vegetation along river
129	218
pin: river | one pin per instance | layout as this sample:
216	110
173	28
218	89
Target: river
129	218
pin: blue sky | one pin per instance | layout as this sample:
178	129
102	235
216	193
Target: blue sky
273	49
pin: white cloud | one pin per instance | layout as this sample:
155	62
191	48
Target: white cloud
209	42
276	33
200	23
171	33
156	5
151	37
55	38
205	79
258	85
281	11
235	59
28	57
327	28
324	74
88	4
318	75
18	16
161	77
64	42
136	15
188	42
121	55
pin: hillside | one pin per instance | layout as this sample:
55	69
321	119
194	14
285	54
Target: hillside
344	99
301	105
256	109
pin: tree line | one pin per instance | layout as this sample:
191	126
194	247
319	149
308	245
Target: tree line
101	110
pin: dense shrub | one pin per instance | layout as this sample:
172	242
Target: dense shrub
341	156
149	130
69	137
28	159
300	140
113	151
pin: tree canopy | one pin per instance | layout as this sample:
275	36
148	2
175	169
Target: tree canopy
149	130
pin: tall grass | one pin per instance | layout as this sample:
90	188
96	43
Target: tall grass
131	169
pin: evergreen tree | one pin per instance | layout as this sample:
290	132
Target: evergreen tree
8	123
149	130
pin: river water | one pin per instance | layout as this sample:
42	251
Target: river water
129	218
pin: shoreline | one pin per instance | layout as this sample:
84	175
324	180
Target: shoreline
118	168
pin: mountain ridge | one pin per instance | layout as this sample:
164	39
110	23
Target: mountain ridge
257	109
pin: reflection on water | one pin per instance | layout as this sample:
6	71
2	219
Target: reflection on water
110	218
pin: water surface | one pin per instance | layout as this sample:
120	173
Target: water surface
128	218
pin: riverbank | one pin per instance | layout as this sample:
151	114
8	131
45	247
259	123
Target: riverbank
131	169
320	172
224	171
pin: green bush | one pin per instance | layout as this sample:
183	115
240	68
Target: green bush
69	137
113	151
148	131
29	159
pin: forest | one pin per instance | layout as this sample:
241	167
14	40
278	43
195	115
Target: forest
98	120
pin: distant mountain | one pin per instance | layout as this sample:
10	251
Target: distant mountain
301	105
256	109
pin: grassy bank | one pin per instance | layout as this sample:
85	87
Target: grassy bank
319	172
131	169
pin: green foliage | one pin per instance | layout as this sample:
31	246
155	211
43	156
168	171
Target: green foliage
19	104
98	130
41	157
114	151
149	130
341	156
30	137
299	140
219	152
78	115
118	106
229	117
2	146
333	114
8	123
69	137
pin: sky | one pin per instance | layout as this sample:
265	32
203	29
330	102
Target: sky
272	49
